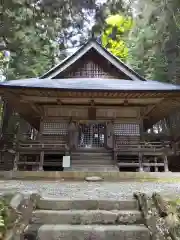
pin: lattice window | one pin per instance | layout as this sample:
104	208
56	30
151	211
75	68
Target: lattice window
91	135
55	128
90	70
126	129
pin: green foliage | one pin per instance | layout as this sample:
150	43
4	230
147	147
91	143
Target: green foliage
153	43
35	32
3	218
117	26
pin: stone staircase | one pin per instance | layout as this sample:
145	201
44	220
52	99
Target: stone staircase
93	161
56	219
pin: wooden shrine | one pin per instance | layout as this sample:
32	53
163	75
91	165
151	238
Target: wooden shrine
95	109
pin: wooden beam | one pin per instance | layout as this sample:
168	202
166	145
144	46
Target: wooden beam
87	105
24	110
101	119
147	110
39	99
38	109
27	104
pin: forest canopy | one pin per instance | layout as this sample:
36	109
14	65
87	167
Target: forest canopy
38	34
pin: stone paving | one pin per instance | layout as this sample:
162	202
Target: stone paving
88	190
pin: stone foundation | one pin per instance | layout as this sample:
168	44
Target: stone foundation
79	176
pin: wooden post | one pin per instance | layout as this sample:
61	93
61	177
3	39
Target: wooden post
166	169
156	167
2	161
16	160
41	161
140	162
114	157
39	137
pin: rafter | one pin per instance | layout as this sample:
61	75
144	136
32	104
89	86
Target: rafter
24	109
145	112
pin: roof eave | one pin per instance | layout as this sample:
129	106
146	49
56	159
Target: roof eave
89	90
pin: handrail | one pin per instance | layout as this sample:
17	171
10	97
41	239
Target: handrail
143	145
41	145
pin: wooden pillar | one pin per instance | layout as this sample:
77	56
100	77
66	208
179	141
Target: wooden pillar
41	161
16	160
2	161
166	169
109	135
141	130
39	137
114	157
155	163
141	162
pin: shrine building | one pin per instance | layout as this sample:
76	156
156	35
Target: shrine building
95	109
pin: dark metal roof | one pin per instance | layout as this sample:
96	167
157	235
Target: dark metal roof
91	84
92	44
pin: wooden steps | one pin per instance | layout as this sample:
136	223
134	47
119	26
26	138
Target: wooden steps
92	161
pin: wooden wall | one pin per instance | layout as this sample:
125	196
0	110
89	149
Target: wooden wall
126	121
82	112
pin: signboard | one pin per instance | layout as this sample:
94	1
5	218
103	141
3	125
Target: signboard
66	161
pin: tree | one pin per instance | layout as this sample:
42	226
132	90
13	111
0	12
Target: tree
35	32
153	43
154	47
116	28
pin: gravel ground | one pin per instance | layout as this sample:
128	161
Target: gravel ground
84	190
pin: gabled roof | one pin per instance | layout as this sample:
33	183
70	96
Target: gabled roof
93	84
85	84
93	45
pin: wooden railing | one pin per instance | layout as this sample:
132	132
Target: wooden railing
143	155
38	145
142	146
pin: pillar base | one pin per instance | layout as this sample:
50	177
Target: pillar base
40	169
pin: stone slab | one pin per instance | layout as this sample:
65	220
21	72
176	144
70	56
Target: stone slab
56	204
86	217
16	200
80	175
84	232
93	179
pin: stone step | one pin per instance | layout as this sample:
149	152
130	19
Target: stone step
84	232
84	217
56	204
92	153
91	158
91	162
93	168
